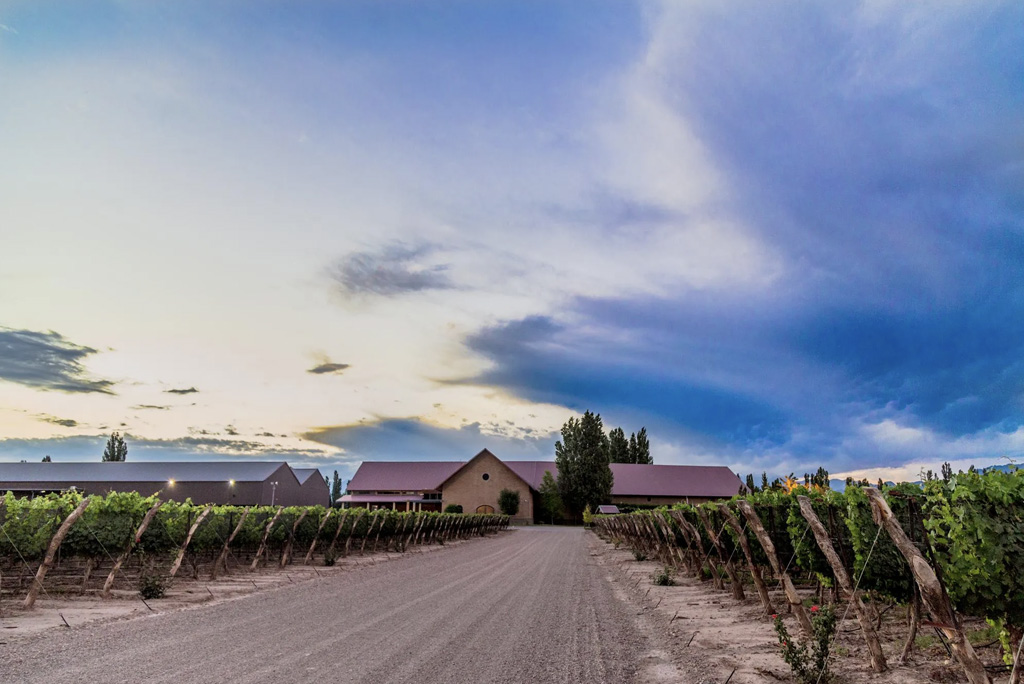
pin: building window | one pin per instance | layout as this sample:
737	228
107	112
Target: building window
486	476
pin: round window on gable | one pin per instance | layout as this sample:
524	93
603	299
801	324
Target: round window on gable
486	476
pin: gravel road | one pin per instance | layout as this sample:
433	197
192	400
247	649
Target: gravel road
524	606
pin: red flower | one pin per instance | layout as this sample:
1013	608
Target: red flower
815	609
775	617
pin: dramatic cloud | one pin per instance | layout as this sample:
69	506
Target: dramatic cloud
412	439
394	270
63	422
150	407
328	368
873	160
188	390
48	361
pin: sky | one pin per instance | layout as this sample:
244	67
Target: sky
778	235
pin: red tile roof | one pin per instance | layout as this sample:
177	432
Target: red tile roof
630	479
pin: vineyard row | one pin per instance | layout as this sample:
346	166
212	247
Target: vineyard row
161	535
954	547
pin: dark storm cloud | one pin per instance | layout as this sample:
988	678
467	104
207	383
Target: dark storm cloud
880	157
47	361
187	390
328	368
412	439
391	271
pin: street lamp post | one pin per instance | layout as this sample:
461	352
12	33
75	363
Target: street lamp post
273	492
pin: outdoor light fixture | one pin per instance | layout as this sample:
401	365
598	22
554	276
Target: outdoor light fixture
231	482
273	492
170	482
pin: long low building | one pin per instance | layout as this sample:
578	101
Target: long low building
242	483
475	484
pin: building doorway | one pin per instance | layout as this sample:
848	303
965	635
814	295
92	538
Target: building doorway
485	509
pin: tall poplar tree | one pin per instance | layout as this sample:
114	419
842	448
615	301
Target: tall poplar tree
618	447
584	478
643	448
335	489
116	449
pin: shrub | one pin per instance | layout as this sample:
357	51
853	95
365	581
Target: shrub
151	587
508	501
639	556
453	508
330	557
664	578
809	661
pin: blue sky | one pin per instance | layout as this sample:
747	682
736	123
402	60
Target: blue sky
779	236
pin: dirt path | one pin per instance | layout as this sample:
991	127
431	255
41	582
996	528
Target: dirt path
531	605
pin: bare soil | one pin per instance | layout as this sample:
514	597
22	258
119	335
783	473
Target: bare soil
710	636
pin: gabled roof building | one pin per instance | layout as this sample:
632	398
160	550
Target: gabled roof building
242	483
475	484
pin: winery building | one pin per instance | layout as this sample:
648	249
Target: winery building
241	483
475	484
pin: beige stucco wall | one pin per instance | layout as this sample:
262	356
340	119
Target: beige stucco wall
469	489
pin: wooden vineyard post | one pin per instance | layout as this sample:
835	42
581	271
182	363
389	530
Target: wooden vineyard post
266	536
188	540
90	565
769	549
716	576
51	551
222	559
404	539
286	556
131	545
845	583
730	569
352	530
366	536
337	532
693	560
914	620
755	572
380	529
309	554
932	592
413	534
675	553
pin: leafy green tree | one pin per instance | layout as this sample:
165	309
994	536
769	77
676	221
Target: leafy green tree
550	499
47	459
584	478
116	449
640	448
335	489
750	484
618	447
508	501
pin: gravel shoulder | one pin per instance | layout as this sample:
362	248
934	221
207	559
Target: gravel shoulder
529	605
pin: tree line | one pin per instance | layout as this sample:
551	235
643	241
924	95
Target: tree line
583	457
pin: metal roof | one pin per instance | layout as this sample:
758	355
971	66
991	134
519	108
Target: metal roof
303	474
139	471
634	479
629	479
402	476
